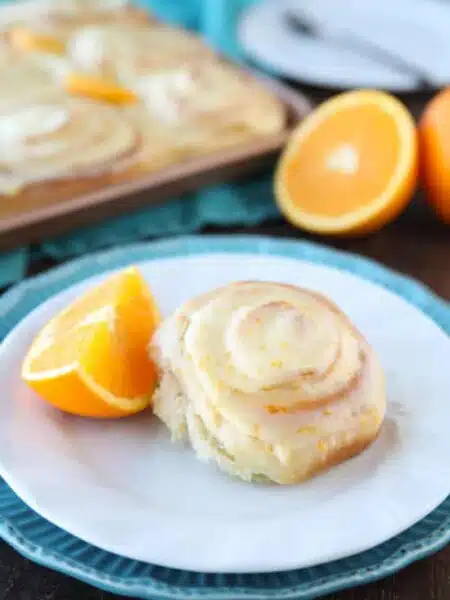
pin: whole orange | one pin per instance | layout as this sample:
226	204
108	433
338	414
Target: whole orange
434	144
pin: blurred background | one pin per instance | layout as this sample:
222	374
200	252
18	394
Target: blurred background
315	49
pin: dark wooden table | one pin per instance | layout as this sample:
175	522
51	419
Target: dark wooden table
417	245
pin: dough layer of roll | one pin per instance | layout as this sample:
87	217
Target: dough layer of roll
270	381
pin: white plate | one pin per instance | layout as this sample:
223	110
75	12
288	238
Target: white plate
415	31
124	487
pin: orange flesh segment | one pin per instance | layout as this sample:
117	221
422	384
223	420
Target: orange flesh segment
98	88
29	41
344	158
92	358
351	166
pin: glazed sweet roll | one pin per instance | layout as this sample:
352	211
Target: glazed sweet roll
46	26
270	381
127	51
22	78
53	137
201	102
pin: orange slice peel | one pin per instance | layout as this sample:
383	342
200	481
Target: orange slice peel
434	140
92	358
351	166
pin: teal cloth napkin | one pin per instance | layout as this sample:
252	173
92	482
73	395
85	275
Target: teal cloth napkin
244	203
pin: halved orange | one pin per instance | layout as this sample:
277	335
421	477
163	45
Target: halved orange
92	359
351	166
98	88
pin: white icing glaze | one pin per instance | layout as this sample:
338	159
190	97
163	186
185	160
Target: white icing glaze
162	91
87	48
261	365
57	67
250	338
31	121
22	78
91	47
47	140
136	58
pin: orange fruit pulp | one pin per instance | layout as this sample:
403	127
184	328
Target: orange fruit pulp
351	166
92	358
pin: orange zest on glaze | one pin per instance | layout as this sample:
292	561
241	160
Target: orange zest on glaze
273	410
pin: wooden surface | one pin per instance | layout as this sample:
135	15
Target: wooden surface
416	245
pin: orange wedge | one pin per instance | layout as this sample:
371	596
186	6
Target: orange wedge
92	359
351	166
98	88
434	138
29	41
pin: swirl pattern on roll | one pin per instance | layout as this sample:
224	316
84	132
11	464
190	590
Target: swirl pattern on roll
55	136
22	79
129	49
275	381
179	80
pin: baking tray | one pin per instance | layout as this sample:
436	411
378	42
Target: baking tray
50	213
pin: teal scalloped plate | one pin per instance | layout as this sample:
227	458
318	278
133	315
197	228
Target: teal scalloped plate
48	545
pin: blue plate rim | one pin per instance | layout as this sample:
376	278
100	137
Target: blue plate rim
15	304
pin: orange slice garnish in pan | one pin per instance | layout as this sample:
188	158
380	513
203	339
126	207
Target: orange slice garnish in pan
30	41
98	88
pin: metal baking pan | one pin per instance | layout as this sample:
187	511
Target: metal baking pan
47	212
